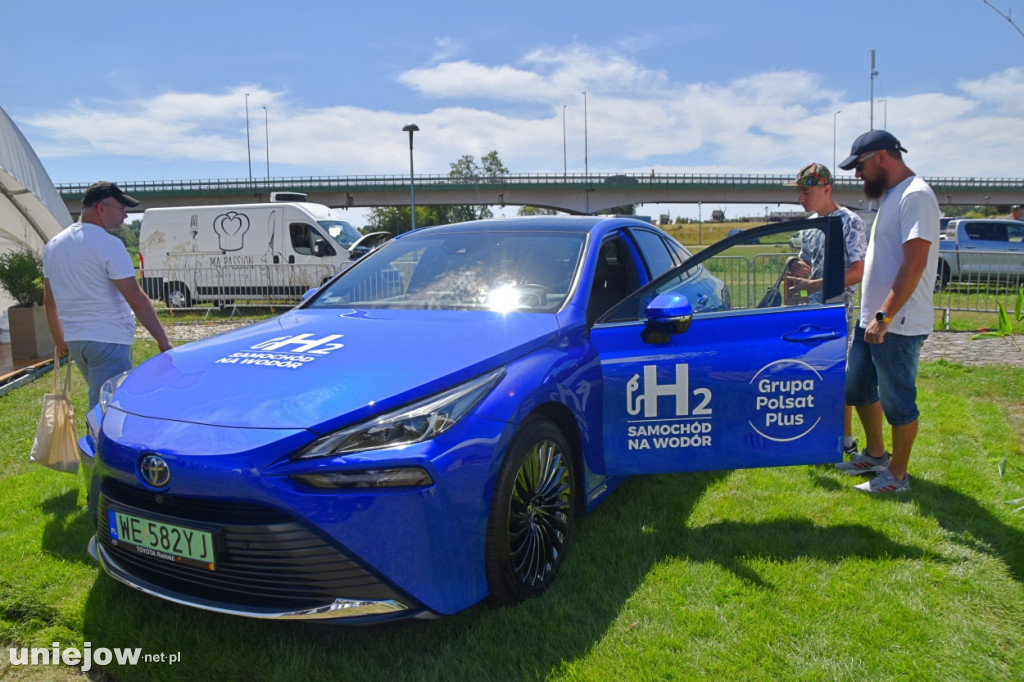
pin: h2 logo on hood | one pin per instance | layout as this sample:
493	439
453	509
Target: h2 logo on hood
301	343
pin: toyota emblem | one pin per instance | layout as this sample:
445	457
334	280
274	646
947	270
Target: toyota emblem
154	471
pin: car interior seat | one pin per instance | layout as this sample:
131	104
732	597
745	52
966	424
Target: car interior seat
611	281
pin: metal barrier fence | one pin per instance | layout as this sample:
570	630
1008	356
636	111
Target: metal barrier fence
978	280
748	279
986	278
235	285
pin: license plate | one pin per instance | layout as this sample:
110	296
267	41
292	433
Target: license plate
166	541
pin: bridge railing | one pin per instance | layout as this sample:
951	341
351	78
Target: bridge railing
606	180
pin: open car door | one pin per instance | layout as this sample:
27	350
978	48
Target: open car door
755	381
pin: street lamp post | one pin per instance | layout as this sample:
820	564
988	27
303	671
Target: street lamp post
874	74
565	166
411	128
248	146
586	155
834	141
700	225
266	132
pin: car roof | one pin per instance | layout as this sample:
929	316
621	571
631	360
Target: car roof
536	224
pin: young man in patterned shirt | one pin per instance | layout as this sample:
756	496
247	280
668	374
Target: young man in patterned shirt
814	192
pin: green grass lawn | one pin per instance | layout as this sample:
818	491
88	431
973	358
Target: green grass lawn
754	574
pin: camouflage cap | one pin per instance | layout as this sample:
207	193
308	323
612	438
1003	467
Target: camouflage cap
812	175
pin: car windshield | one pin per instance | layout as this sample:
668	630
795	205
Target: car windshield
341	232
502	271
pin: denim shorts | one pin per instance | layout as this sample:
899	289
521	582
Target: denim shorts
886	372
98	362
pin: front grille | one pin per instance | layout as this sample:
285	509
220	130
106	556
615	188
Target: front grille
264	558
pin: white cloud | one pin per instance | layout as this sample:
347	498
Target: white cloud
636	118
1005	90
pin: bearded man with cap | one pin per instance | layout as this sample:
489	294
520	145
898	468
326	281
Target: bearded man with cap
90	292
896	309
814	192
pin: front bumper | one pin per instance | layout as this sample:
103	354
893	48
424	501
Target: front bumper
269	565
348	609
331	554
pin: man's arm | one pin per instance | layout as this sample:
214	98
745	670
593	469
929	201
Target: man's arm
143	309
53	319
854	274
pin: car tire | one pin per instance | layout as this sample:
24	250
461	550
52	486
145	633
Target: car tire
532	513
941	277
176	295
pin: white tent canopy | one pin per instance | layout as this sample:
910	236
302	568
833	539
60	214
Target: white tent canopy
31	210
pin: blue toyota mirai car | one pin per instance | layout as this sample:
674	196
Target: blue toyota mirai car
423	431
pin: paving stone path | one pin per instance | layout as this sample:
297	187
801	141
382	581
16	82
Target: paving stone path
958	347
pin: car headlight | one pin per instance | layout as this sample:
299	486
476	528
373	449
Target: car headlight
414	423
402	477
109	388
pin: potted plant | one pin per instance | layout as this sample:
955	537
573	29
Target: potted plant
21	276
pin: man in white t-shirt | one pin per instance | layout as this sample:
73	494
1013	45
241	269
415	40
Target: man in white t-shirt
90	292
896	309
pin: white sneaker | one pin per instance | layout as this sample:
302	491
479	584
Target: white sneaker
885	482
864	464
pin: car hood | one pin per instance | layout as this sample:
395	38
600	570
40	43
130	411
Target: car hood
323	369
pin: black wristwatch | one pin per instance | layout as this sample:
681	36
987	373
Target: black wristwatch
882	317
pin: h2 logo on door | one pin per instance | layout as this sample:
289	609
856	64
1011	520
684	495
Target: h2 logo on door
680	391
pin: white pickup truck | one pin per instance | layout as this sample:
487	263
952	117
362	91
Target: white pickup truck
985	251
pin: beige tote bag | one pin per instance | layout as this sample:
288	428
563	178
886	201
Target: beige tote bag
56	443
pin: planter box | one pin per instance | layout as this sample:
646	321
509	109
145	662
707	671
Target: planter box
30	335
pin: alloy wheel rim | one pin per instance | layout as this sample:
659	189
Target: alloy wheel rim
539	514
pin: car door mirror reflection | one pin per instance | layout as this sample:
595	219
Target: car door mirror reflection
667	315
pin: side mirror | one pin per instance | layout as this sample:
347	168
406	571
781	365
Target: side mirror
319	249
667	315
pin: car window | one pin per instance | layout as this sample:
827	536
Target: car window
304	239
655	252
785	268
530	271
990	232
341	232
615	277
1016	233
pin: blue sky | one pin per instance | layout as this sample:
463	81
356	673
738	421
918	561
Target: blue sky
156	91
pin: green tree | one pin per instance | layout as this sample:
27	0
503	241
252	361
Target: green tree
395	219
129	234
628	209
536	210
488	169
492	166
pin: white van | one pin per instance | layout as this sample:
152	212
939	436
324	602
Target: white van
247	252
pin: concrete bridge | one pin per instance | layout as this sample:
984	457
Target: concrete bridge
572	193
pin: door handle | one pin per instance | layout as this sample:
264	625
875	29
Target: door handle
809	335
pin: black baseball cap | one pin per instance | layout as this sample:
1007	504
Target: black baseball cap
98	191
871	141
